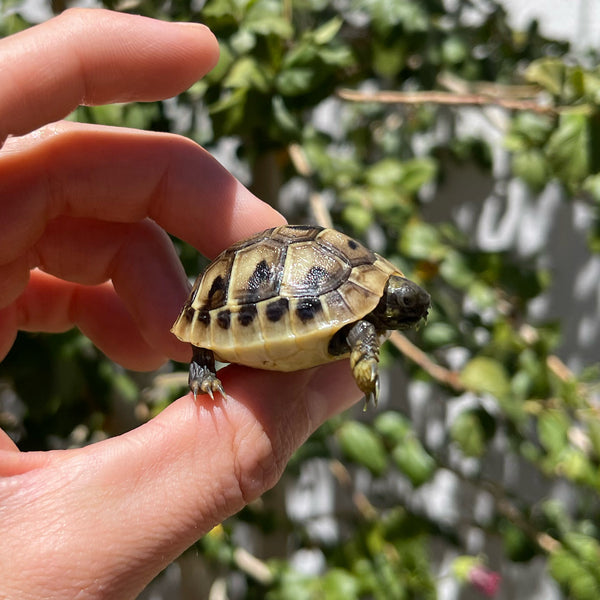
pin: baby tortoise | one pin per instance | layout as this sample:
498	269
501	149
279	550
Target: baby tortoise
294	297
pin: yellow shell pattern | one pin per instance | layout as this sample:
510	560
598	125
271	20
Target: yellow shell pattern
275	300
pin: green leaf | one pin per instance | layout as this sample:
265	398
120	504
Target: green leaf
485	375
392	426
417	173
359	217
586	547
591	185
580	577
414	461
594	435
295	81
325	33
389	56
440	334
519	547
337	584
387	14
528	130
385	173
247	73
585	587
454	50
218	9
284	118
422	241
243	41
456	270
230	110
553	428
265	18
362	446
472	430
574	465
532	167
567	148
549	73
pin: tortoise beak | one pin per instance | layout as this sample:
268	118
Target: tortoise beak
411	304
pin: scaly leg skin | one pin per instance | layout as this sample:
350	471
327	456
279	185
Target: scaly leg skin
203	375
364	359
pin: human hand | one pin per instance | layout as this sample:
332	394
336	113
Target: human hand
89	206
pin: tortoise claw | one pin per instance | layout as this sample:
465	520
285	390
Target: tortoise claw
210	385
203	378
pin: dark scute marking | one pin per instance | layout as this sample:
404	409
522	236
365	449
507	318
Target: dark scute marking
224	319
203	316
262	284
314	279
262	273
352	244
247	314
276	309
217	295
307	308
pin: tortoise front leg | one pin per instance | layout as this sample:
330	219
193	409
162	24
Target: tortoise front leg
364	359
203	375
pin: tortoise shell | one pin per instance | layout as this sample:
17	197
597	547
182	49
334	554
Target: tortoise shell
275	300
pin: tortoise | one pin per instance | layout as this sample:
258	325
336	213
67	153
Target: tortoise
293	297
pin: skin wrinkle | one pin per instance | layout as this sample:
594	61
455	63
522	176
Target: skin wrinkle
261	475
157	198
74	54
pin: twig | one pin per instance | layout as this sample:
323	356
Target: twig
299	160
253	566
320	210
448	98
360	500
441	374
506	508
458	85
218	590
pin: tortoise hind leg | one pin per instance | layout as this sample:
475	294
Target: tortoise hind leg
364	359
203	374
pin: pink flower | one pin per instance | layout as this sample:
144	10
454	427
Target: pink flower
484	580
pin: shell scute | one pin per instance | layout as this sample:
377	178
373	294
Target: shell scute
211	291
290	234
256	273
352	251
310	271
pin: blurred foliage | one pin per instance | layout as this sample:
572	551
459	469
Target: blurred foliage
274	93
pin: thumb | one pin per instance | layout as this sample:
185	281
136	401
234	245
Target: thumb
117	512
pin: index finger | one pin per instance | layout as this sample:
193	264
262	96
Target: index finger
94	56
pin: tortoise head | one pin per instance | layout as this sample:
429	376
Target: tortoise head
402	305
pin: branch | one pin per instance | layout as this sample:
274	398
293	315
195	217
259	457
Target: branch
448	98
439	373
